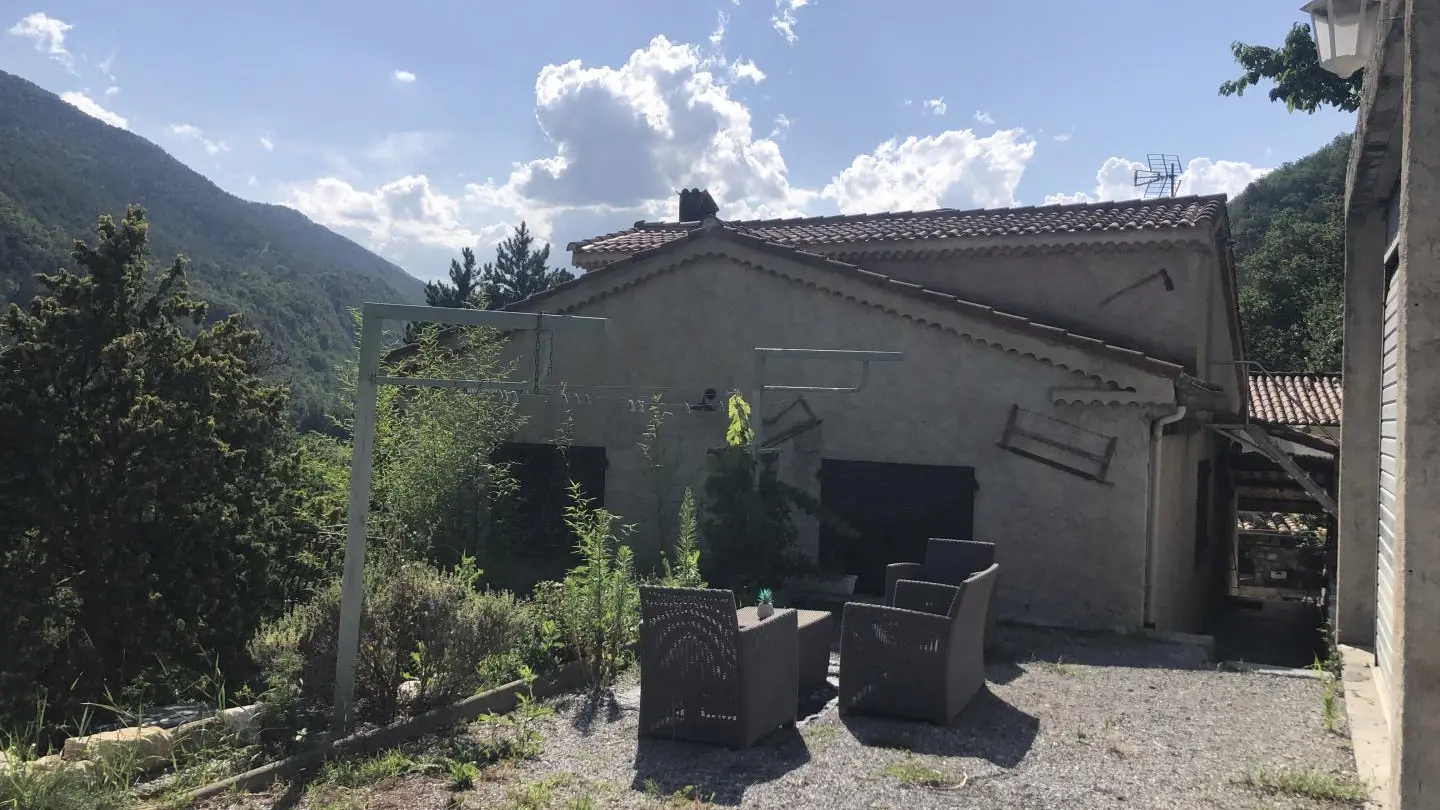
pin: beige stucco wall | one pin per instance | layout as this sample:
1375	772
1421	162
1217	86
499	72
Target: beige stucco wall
1072	549
1068	289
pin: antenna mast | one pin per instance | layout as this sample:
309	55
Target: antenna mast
1162	179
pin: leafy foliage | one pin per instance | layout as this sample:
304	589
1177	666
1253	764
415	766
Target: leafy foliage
434	478
1289	237
682	566
148	478
294	280
520	271
597	606
416	621
1295	69
748	521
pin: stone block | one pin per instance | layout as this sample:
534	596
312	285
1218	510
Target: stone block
198	734
243	721
140	747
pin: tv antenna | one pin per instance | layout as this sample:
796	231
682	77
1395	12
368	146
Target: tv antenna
1162	179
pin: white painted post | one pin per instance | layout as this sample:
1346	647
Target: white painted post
373	317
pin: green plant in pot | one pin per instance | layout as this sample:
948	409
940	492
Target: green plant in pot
764	603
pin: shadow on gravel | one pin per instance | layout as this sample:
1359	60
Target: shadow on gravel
988	729
1020	647
713	774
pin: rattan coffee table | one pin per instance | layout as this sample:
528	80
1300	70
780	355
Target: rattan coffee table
817	633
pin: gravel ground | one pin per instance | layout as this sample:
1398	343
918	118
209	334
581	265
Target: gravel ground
1069	722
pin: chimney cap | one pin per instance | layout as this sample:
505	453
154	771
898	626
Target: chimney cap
696	205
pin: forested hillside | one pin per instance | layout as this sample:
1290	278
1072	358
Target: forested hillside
1289	237
293	279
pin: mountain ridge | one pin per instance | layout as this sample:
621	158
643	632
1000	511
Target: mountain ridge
293	279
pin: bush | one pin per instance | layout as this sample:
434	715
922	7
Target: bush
147	476
596	609
416	622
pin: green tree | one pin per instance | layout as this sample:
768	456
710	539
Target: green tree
1292	300
1295	69
461	292
1288	235
147	475
520	271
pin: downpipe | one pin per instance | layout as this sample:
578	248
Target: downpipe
1152	510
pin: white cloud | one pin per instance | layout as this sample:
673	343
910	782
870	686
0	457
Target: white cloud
983	117
722	23
1065	136
404	76
190	132
112	91
935	105
746	70
107	66
253	181
408	209
87	105
953	168
267	144
1116	180
784	20
48	34
624	138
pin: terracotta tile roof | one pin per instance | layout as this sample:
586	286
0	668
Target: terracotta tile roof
1129	357
1293	398
1275	523
944	223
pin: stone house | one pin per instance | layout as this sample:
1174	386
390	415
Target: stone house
1060	365
1388	595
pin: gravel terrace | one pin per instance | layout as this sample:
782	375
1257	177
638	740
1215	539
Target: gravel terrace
1070	722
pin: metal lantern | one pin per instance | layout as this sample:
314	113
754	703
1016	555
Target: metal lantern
1344	32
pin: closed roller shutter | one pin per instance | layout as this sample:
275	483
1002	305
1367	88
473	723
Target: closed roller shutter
1389	469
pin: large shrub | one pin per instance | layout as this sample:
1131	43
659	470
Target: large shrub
417	622
435	478
147	474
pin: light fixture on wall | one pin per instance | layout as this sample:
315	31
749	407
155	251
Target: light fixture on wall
1344	32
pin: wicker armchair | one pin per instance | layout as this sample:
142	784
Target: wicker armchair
949	562
921	658
704	679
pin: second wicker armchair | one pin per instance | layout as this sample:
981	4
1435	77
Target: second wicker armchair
921	657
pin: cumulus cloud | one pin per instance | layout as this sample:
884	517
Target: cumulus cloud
1116	180
406	209
267	144
982	117
953	168
190	132
783	21
624	137
404	76
90	107
48	34
1065	136
112	91
935	105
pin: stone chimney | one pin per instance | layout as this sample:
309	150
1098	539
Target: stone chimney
696	204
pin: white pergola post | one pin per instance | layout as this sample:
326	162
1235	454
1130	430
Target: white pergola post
759	387
373	318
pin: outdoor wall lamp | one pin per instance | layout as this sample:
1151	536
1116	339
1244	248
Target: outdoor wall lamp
1344	32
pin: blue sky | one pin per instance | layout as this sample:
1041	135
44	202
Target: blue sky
418	128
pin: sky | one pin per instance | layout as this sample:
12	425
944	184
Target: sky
423	127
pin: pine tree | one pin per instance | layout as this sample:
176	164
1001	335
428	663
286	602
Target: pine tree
462	292
147	473
520	271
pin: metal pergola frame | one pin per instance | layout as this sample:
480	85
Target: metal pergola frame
758	386
372	326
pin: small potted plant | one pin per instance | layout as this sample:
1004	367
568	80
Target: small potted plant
765	603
